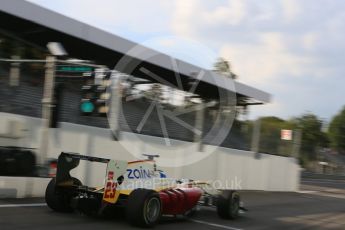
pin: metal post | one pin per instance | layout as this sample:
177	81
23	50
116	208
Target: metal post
115	106
48	94
199	125
297	138
256	138
14	72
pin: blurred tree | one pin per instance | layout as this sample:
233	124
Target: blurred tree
155	93
336	132
312	135
270	141
223	67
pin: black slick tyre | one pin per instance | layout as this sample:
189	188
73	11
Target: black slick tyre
144	208
59	199
228	205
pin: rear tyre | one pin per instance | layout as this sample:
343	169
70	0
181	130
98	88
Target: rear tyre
228	205
59	199
144	208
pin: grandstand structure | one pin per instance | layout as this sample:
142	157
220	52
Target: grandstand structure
25	30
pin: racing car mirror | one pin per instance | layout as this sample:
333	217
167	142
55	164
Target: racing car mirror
115	169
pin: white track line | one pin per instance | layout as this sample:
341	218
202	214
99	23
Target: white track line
22	205
214	225
306	191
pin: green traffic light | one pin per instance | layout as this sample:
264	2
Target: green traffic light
87	107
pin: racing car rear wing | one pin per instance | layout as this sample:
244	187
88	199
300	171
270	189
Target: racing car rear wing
68	161
114	173
84	157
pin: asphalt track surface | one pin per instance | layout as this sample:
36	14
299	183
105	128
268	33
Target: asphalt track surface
321	208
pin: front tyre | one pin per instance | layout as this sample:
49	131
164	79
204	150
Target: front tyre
228	205
144	208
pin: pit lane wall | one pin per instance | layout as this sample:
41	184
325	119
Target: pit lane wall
227	168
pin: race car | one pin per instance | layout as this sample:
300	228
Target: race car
145	192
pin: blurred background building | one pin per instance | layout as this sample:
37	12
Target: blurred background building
24	35
70	93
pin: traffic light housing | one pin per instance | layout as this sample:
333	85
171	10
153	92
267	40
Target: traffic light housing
95	97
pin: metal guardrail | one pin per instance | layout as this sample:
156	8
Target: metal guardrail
311	175
57	61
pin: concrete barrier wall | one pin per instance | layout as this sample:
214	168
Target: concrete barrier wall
20	187
230	167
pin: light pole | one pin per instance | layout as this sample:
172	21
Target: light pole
56	49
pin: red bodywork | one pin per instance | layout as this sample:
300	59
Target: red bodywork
179	200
